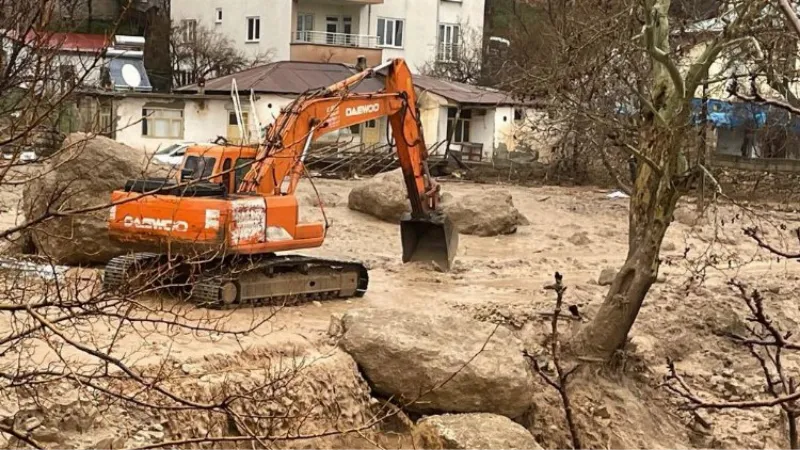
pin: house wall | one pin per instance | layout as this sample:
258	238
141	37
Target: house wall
430	114
321	10
278	22
334	54
204	119
422	25
727	64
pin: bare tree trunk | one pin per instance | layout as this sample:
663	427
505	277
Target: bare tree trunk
651	209
791	418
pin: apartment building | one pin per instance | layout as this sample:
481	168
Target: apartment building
421	31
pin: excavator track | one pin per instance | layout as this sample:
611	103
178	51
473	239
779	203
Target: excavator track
261	281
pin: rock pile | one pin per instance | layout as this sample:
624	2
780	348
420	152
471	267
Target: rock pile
490	214
465	431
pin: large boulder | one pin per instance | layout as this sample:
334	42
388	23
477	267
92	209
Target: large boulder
489	214
384	196
82	174
439	363
467	431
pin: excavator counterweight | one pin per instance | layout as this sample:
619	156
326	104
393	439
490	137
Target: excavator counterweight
220	225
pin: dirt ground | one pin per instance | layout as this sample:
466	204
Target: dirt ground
577	232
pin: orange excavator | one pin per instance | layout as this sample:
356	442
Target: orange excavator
219	226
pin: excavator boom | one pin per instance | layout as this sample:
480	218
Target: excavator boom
427	235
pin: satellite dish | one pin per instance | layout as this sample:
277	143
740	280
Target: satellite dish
131	75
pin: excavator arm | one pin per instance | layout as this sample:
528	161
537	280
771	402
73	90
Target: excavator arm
426	233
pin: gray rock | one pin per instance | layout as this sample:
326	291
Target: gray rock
109	443
384	196
82	174
580	238
441	363
491	213
48	434
668	246
607	276
326	199
31	423
467	431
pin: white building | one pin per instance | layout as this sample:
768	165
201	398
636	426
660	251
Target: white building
479	123
421	31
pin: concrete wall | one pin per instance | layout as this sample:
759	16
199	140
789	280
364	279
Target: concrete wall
422	19
321	10
276	24
335	54
204	119
278	21
430	114
727	64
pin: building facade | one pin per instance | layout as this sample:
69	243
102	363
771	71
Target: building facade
421	31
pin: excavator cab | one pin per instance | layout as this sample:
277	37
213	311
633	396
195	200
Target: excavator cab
431	238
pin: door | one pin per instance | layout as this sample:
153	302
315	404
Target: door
233	135
331	29
372	131
305	26
347	29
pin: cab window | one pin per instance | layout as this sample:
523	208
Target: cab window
243	166
197	167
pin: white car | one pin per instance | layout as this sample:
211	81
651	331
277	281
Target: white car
173	154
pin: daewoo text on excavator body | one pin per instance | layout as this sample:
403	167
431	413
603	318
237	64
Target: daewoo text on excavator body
219	225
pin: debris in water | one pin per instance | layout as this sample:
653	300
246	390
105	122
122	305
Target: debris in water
617	194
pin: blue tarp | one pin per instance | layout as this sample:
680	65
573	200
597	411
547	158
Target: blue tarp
724	114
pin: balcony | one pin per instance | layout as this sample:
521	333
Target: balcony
321	46
340	39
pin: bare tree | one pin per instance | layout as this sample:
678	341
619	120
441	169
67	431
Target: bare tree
625	73
560	379
199	53
768	343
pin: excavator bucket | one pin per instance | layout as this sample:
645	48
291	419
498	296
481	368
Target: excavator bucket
429	239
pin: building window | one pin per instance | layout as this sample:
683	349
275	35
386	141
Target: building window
189	30
390	32
371	124
253	29
461	133
449	43
162	123
519	114
305	27
219	15
68	76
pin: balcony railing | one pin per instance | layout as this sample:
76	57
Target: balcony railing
341	39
